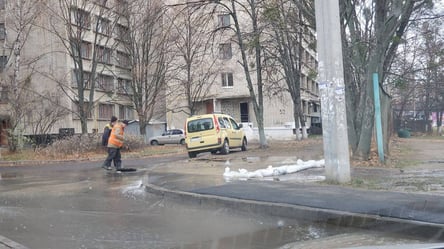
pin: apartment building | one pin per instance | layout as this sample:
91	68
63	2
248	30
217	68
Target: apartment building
229	90
51	71
63	35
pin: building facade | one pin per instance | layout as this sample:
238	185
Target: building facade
67	45
228	92
76	50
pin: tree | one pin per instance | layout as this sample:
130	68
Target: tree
42	119
84	29
431	58
286	47
372	32
247	27
146	42
17	72
194	71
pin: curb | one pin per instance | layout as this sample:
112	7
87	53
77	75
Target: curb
304	213
7	243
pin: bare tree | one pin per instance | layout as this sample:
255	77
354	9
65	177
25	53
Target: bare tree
84	28
248	28
432	63
146	42
194	71
290	31
402	82
50	111
17	71
372	32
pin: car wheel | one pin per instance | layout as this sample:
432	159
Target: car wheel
154	142
214	152
244	144
192	154
182	142
225	148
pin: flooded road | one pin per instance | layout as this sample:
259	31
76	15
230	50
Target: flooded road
84	207
79	205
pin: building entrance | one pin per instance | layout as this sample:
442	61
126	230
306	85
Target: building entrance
245	118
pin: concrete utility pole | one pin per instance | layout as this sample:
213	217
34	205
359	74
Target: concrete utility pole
332	91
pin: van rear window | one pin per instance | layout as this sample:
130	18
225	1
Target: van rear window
200	125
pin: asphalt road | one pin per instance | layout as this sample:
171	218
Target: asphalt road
79	205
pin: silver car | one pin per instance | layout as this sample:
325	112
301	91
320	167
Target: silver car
174	136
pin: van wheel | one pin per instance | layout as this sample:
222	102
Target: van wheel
244	144
192	154
225	148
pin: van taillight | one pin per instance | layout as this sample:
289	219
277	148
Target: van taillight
216	123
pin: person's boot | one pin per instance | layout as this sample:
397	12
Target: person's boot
106	167
118	168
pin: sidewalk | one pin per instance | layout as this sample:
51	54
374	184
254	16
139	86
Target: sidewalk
200	181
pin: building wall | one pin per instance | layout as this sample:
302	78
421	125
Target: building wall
278	110
54	67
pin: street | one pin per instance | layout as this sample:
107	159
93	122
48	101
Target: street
79	205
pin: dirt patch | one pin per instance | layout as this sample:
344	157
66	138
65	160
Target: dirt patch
414	164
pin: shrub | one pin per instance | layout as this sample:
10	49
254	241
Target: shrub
73	145
83	144
133	142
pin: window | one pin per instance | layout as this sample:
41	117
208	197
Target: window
122	6
227	79
106	111
222	123
4	94
225	51
76	74
234	124
101	2
2	31
3	62
105	82
122	32
179	132
2	4
85	108
103	26
103	54
85	50
126	112
80	18
223	20
124	86
123	59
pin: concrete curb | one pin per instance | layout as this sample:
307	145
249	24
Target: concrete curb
7	243
303	213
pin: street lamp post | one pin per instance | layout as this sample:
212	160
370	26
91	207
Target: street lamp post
332	91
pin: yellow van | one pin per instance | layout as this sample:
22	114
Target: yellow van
213	133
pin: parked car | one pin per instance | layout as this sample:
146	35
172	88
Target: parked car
175	136
213	133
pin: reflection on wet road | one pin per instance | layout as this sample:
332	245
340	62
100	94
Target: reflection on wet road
84	207
89	208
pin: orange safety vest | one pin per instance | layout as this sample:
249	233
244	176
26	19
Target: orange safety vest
116	136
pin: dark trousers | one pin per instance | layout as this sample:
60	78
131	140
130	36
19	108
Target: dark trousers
113	155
